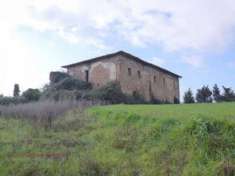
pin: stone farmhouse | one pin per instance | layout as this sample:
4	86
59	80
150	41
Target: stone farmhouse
134	75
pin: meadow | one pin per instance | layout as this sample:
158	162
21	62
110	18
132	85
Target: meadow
123	140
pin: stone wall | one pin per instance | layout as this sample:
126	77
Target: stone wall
100	72
151	83
147	81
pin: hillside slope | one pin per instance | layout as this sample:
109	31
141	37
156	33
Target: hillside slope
124	140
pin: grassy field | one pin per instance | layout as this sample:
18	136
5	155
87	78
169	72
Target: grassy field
124	140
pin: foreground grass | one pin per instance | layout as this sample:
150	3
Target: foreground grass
124	140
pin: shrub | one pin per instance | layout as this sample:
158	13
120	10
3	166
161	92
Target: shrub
5	101
56	77
111	93
32	94
61	95
63	81
70	83
176	100
135	98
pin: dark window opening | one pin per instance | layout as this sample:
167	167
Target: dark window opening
87	75
134	93
154	79
164	82
139	74
129	71
175	85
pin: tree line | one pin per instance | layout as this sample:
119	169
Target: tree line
28	95
206	95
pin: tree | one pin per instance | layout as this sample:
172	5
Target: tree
228	94
32	94
216	93
16	92
204	95
188	97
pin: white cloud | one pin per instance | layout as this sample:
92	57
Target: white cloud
158	61
194	60
173	24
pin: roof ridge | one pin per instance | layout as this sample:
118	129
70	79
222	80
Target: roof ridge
123	53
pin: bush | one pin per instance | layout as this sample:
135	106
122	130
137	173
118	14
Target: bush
135	98
5	101
156	101
111	93
61	95
63	81
70	83
32	95
56	77
176	100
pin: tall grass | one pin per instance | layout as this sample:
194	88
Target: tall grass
45	111
124	140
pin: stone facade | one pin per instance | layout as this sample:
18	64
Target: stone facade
133	74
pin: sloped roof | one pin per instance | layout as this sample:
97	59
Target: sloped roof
125	54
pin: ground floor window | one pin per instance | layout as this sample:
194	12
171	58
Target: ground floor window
87	75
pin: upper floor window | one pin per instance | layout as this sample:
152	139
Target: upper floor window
175	85
129	71
164	82
139	74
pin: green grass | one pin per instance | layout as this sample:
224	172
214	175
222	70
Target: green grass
124	140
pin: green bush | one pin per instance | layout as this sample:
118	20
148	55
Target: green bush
5	101
111	93
56	77
135	98
63	81
59	95
70	83
32	94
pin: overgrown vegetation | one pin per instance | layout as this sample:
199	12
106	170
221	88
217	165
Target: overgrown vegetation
63	86
123	140
27	96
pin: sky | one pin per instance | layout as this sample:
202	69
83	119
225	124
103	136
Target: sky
193	38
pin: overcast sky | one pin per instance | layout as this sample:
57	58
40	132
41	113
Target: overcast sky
193	38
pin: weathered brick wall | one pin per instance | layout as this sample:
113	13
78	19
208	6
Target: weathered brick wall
100	72
146	85
163	87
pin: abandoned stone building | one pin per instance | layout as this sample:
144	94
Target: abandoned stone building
133	74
